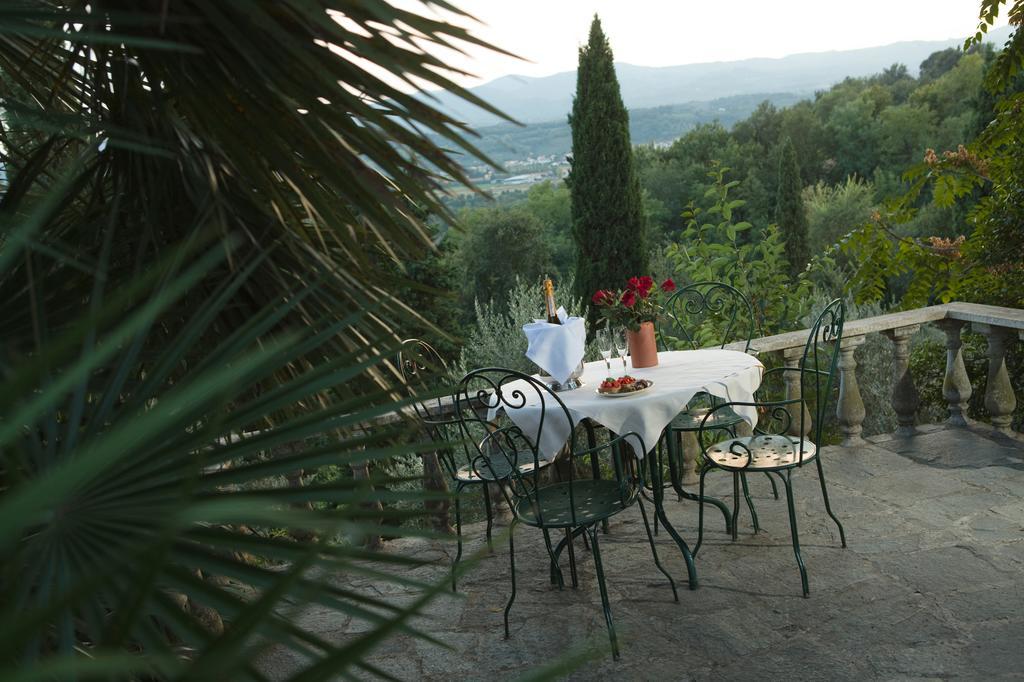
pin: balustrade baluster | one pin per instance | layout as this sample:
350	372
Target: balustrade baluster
999	398
905	398
850	409
956	386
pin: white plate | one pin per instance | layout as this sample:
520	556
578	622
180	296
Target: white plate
625	395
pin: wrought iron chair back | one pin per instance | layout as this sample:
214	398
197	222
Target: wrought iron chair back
816	371
819	363
499	447
493	442
427	380
706	314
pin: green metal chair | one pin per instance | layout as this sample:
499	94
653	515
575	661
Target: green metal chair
779	443
425	376
497	446
706	315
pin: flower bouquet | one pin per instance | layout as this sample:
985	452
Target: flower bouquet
636	308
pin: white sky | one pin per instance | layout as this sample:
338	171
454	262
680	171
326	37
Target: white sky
548	33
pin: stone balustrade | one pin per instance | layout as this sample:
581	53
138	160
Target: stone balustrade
999	326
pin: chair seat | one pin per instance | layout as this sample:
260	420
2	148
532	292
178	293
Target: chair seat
594	501
766	452
499	470
691	419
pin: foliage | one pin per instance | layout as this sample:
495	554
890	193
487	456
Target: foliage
1011	60
500	245
835	210
608	224
141	493
870	128
430	285
713	248
639	302
196	204
934	269
938	63
551	204
790	214
988	173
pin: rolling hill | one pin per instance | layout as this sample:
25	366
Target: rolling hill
549	98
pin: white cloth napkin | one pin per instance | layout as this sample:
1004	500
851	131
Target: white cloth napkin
557	348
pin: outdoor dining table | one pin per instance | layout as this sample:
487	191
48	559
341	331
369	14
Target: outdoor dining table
676	379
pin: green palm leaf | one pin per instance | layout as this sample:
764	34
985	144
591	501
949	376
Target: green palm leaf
202	208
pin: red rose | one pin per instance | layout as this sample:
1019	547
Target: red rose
645	285
634	284
602	297
628	298
668	285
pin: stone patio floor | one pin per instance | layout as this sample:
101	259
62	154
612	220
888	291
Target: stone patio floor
931	586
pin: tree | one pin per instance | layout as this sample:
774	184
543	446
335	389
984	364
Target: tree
550	203
502	244
714	247
608	223
938	63
789	210
835	210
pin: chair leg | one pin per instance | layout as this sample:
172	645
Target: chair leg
771	479
828	507
490	514
792	529
572	559
595	466
512	572
559	580
599	569
700	512
735	504
458	535
654	550
750	503
558	551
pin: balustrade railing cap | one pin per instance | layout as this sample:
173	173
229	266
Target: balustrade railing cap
1012	318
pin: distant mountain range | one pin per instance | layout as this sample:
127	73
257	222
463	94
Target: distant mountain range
536	100
506	142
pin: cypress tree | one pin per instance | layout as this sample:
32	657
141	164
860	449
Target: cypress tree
608	222
789	210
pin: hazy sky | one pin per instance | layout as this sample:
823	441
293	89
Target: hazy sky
668	32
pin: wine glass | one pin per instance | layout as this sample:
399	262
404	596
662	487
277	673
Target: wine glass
605	344
621	345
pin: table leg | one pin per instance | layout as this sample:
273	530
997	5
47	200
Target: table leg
675	457
659	510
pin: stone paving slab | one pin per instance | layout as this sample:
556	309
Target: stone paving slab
930	587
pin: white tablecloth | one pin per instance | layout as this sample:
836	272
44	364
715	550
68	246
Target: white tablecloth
679	376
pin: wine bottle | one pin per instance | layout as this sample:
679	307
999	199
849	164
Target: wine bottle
549	301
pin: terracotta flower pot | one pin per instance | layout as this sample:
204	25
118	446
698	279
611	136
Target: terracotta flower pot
643	349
